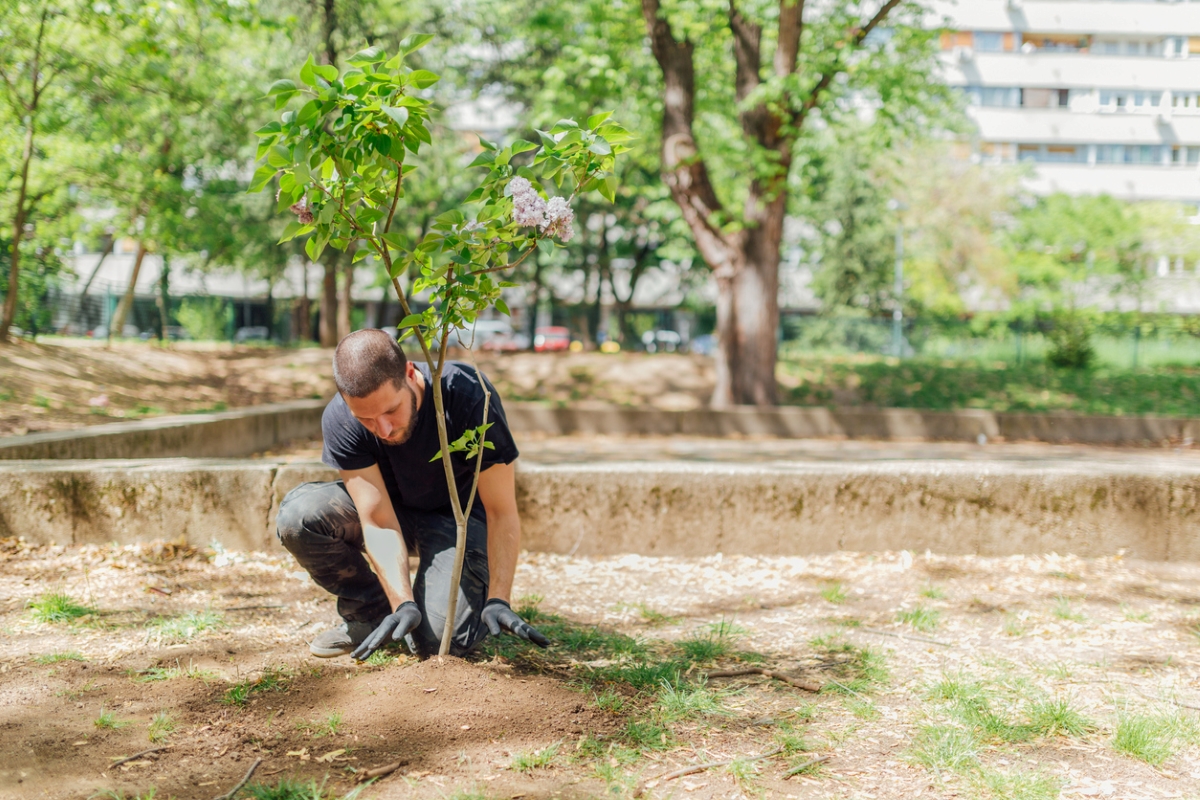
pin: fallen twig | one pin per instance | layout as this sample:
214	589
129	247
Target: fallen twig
249	773
379	772
249	608
796	770
679	773
908	636
766	673
121	761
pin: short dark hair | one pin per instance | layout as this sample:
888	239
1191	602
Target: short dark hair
366	360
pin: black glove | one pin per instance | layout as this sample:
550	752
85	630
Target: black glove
395	626
498	615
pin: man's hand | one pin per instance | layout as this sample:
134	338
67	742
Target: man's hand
498	615
395	626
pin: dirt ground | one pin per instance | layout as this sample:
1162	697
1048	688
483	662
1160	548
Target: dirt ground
70	383
179	637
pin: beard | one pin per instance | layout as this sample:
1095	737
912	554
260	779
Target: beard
400	437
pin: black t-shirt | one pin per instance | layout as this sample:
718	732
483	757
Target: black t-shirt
412	480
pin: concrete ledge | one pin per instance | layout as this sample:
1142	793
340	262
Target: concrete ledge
226	434
792	422
242	432
663	509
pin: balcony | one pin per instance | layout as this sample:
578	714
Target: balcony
1125	181
1059	17
1070	71
1073	127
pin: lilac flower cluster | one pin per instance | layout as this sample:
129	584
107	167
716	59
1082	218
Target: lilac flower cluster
302	212
529	209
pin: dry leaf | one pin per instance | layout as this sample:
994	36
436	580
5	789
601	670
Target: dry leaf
302	753
331	755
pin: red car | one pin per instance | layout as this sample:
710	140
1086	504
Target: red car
551	339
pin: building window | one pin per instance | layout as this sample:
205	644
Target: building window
1193	156
989	42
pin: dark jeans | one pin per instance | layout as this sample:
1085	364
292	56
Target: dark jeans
319	525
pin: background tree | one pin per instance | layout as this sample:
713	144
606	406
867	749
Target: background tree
819	59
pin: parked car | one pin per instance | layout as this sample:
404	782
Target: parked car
704	345
506	343
479	334
252	333
661	341
551	339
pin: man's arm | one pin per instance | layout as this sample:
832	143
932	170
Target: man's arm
381	532
498	493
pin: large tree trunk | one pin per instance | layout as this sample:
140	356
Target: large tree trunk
345	302
116	326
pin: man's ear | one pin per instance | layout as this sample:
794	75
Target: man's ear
410	371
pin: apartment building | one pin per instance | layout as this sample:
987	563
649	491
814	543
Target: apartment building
1101	97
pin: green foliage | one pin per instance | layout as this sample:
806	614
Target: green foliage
1071	341
295	789
712	642
273	679
1149	738
920	617
55	607
835	593
203	318
318	729
945	747
185	627
677	703
54	658
108	721
1007	713
856	670
1063	610
161	727
535	759
938	384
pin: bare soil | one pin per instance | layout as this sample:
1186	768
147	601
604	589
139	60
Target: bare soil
1109	637
71	383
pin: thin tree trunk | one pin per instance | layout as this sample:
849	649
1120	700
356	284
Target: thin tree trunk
534	302
105	253
345	302
329	300
163	301
116	326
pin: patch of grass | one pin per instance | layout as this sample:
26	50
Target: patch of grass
834	593
273	679
161	726
41	402
644	676
650	616
108	721
117	794
1057	718
1148	738
1063	610
318	729
863	709
468	794
1013	626
744	771
1016	785
1134	616
920	618
646	734
678	703
54	607
535	759
382	658
945	747
185	627
75	694
54	658
6	395
856	669
610	701
790	740
191	671
293	789
711	642
933	592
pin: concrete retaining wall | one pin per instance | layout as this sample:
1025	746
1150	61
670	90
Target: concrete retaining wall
661	509
242	432
225	434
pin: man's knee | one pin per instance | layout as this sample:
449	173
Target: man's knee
311	512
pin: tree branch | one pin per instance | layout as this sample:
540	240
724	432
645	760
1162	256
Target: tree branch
747	46
814	97
791	26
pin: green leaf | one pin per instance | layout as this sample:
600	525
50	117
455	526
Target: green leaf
596	119
262	176
422	133
483	159
608	189
564	125
281	86
268	129
600	148
306	73
291	231
372	55
486	145
522	146
436	456
398	268
502	307
411	320
396	240
423	78
279	157
414	42
310	110
326	71
360	254
398	115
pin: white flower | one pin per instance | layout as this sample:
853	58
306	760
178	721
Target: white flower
529	208
559	217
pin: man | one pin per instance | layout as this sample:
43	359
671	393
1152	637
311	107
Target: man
380	433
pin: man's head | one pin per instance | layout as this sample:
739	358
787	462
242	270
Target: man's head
376	380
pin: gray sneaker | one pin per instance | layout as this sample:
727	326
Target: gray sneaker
341	640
